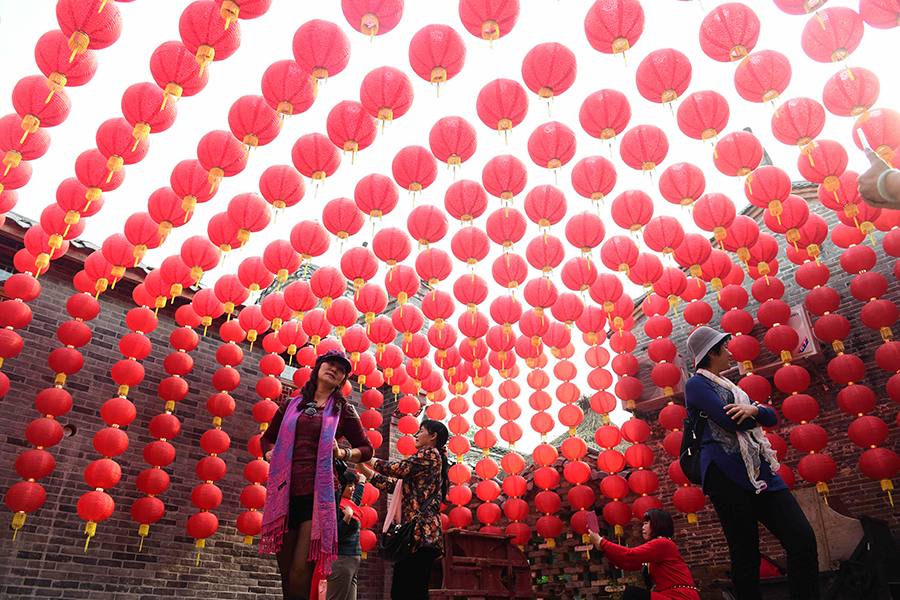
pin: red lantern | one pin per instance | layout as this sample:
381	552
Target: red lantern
414	168
729	32
833	35
702	115
373	17
489	20
613	27
762	76
437	53
851	92
321	48
605	114
287	88
502	104
207	34
644	147
549	69
663	75
175	70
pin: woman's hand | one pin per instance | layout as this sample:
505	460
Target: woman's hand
739	412
594	538
268	456
338	452
868	182
348	514
364	468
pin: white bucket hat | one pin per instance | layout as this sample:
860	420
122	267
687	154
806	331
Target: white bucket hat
701	341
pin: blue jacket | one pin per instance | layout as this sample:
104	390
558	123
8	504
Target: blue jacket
348	533
703	395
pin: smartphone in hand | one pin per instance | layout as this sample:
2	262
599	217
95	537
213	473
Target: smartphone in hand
592	524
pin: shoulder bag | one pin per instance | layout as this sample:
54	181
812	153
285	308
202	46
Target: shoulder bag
689	458
397	541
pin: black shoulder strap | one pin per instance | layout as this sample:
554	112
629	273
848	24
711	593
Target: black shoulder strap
701	426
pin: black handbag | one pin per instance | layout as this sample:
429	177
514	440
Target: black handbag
397	541
689	457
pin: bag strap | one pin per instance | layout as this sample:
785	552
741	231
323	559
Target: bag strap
700	429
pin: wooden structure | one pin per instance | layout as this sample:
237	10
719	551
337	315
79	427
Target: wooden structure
484	566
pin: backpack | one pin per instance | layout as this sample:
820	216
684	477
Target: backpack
689	457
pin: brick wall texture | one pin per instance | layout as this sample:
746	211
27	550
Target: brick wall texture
48	560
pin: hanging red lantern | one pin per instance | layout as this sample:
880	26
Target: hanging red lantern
502	104
373	17
15	150
350	127
287	88
551	145
605	114
714	212
505	227
663	75
762	76
222	155
207	34
253	121
851	92
798	122
315	156
176	72
632	210
737	154
52	54
386	93
702	115
594	177
833	35
321	48
30	103
489	20
549	69
465	200
882	130
414	168
729	32
342	218
614	26
504	176
140	107
114	141
437	53
87	26
682	184
644	147
282	186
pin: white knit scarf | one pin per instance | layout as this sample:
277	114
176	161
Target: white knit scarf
753	443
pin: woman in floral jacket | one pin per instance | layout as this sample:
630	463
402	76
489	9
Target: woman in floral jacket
420	477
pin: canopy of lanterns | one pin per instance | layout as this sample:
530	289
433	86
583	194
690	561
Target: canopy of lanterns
521	276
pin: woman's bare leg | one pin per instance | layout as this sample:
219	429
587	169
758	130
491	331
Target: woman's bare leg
301	570
285	557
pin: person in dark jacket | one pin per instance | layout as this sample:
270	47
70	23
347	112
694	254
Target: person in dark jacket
300	516
740	473
342	579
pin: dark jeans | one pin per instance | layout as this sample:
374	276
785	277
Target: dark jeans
739	511
411	576
635	593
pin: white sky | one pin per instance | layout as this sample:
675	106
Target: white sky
267	39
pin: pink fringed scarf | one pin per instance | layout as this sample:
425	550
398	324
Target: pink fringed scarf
323	540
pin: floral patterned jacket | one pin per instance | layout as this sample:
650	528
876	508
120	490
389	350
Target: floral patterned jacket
421	475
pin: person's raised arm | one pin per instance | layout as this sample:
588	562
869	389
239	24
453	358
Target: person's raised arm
377	479
879	186
631	559
361	448
700	395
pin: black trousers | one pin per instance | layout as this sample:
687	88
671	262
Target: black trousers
635	593
739	511
411	577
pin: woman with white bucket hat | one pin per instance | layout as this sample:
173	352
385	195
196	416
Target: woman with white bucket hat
739	472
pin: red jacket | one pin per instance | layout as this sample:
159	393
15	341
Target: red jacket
667	568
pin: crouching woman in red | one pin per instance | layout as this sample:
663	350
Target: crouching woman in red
671	576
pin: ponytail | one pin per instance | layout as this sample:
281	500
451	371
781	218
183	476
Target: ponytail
442	434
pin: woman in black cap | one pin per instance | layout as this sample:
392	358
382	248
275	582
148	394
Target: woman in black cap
300	517
739	472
